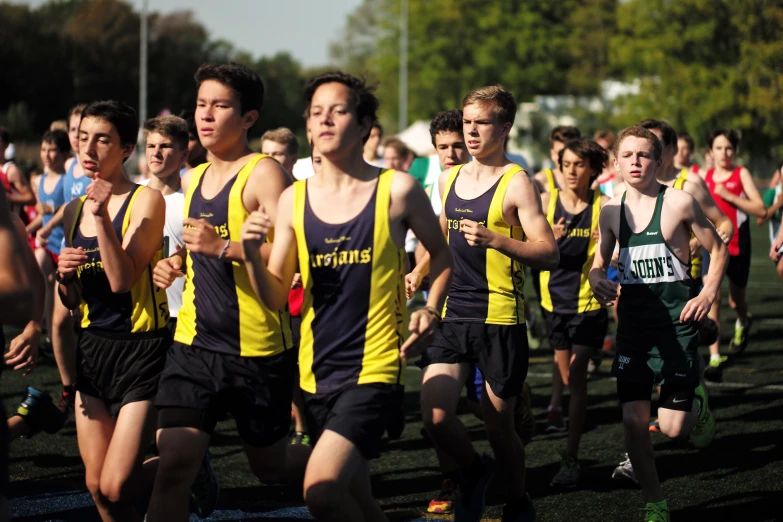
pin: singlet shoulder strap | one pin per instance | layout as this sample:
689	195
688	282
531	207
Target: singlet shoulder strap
507	177
77	217
550	179
245	171
237	213
708	175
683	174
195	180
450	181
596	211
552	207
129	209
382	203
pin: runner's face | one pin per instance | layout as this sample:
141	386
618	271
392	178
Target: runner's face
279	151
100	149
371	146
333	122
219	118
451	149
484	134
684	152
576	170
554	151
668	152
73	132
164	157
635	161
723	152
392	159
196	153
51	157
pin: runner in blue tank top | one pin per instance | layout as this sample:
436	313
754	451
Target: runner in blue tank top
657	304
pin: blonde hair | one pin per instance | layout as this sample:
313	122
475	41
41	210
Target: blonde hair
59	125
505	106
172	127
283	136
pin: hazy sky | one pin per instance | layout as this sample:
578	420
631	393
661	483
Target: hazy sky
304	28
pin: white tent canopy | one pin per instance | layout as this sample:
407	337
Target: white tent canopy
417	138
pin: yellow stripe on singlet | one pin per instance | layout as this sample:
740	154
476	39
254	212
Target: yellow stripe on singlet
546	297
550	179
306	375
587	301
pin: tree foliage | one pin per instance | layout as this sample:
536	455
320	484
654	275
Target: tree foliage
72	51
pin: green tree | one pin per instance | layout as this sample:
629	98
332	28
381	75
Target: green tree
704	64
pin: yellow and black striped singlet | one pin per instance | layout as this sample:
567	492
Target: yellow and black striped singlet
354	299
143	309
566	290
220	311
486	285
696	261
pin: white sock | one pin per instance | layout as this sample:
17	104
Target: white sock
714	357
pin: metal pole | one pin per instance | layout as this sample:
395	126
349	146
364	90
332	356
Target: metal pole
143	65
403	102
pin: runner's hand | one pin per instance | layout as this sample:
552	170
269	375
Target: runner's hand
166	271
696	309
23	351
296	282
422	326
558	229
70	260
98	194
254	231
773	251
606	292
42	236
476	234
412	283
200	237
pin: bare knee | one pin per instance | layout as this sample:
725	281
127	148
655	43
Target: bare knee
636	425
323	498
93	483
437	420
114	488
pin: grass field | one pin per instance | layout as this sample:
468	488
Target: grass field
739	477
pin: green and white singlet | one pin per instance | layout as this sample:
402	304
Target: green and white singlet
656	285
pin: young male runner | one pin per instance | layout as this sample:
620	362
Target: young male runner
166	140
683	160
549	179
231	353
114	236
346	227
575	320
18	192
397	155
658	305
489	206
735	193
282	145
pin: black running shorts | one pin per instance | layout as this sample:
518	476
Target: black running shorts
587	329
359	412
499	351
198	387
738	270
120	369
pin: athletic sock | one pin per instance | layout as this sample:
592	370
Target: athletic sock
715	357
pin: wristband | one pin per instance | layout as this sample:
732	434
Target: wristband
434	313
225	249
63	281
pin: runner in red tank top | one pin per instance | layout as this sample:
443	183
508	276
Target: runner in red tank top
736	195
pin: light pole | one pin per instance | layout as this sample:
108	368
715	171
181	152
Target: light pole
143	65
402	119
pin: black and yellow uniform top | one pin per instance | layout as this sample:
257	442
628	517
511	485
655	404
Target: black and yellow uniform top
486	285
696	262
143	309
220	311
566	290
354	299
551	181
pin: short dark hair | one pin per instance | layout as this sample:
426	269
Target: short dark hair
588	150
59	138
564	134
668	133
5	136
729	134
172	127
245	83
447	121
640	132
687	139
505	104
362	96
119	114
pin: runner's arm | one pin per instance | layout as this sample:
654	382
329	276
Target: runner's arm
267	183
17	297
272	283
540	250
604	290
24	193
422	268
752	203
701	193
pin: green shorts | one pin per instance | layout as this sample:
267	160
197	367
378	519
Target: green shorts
671	354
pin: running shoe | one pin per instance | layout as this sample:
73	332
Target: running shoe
205	489
40	413
714	371
472	493
568	476
704	431
624	471
741	336
523	415
519	511
656	512
300	437
655	427
554	421
608	346
443	504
